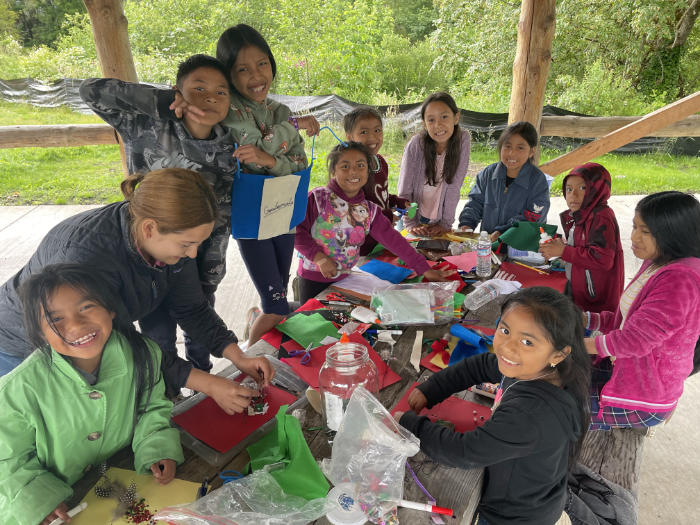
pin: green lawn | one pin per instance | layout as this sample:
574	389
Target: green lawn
91	174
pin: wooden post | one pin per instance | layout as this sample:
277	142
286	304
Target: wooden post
643	127
109	30
532	59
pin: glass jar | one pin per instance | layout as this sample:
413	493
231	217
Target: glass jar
347	366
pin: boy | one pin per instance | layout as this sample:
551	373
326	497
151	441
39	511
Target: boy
155	138
364	124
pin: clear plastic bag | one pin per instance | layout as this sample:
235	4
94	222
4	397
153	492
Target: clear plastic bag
256	499
415	303
370	451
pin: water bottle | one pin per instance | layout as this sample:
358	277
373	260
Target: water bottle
480	296
483	255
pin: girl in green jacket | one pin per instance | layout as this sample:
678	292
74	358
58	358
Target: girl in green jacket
92	387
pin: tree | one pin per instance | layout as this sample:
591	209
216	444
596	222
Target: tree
39	21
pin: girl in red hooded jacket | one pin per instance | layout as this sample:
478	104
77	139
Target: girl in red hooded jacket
591	249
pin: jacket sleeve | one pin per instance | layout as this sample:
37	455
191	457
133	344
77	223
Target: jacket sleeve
304	243
154	438
119	103
656	321
176	372
539	197
452	193
28	492
599	252
508	434
193	313
410	164
383	231
473	210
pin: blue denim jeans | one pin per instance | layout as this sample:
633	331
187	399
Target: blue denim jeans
8	363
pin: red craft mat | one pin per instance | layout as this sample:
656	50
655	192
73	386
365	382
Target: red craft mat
274	336
211	425
528	278
455	410
309	372
425	361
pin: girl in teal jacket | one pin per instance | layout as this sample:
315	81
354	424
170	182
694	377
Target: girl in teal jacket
92	387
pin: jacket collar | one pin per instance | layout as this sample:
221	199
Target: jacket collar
333	186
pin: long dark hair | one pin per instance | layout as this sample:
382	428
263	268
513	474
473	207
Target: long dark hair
236	38
37	291
453	153
562	322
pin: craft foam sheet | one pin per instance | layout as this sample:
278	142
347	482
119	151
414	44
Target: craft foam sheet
386	271
214	427
463	261
309	372
100	510
529	278
464	415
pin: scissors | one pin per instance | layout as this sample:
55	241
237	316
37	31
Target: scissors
307	354
230	475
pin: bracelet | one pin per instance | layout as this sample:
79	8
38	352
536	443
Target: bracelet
294	122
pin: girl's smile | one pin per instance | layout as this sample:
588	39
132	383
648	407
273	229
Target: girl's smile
440	122
251	74
351	172
515	152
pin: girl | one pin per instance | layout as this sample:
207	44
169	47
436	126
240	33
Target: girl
649	342
540	415
511	190
433	167
595	266
146	248
327	242
269	143
92	387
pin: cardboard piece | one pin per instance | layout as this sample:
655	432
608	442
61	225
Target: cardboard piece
101	510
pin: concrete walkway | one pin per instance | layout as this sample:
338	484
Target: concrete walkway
670	475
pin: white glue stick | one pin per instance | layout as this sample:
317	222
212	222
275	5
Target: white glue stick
365	315
72	512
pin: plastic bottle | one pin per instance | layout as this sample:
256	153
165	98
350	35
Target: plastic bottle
365	315
483	255
480	296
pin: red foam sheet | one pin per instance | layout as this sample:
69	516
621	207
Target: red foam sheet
529	278
309	372
425	362
465	415
211	425
274	336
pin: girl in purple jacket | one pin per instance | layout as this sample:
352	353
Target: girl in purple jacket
648	345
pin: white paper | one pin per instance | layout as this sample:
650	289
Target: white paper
362	282
417	349
277	205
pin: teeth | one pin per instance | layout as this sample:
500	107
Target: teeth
84	339
509	361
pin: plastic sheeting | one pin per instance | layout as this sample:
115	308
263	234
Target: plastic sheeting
484	127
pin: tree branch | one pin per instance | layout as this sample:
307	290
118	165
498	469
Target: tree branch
685	25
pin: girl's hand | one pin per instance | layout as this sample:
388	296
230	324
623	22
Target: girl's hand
231	397
417	400
59	512
589	343
494	236
249	154
466	228
420	231
258	368
438	275
164	471
181	108
326	266
310	124
397	415
435	230
553	248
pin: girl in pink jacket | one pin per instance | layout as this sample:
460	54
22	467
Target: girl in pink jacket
648	345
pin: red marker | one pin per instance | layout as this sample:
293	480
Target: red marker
427	507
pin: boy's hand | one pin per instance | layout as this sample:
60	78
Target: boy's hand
258	368
249	154
231	397
310	124
164	471
181	108
465	228
417	400
494	236
553	248
438	275
326	266
59	512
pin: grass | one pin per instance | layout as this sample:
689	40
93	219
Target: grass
91	174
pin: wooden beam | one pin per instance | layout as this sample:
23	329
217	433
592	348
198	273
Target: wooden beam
66	135
594	127
532	59
643	127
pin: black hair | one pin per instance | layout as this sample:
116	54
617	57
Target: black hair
195	62
361	112
234	39
562	322
37	291
453	152
523	128
337	152
673	218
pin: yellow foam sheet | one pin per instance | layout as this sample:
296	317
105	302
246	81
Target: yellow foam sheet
437	359
100	510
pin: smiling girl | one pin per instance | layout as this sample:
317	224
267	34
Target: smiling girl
540	415
433	167
511	190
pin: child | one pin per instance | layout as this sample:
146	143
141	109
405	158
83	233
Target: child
433	167
540	415
653	335
364	125
269	144
92	387
595	266
511	190
155	138
329	243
